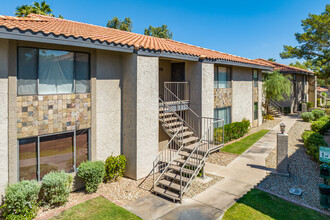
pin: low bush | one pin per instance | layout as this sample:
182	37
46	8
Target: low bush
307	116
287	110
21	200
92	172
268	117
309	105
56	188
114	167
318	113
233	131
325	118
320	126
313	141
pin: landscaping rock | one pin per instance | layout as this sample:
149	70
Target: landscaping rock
304	172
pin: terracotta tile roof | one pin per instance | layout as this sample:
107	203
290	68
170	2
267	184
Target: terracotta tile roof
50	25
283	67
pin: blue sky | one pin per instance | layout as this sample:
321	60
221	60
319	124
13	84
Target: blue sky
250	29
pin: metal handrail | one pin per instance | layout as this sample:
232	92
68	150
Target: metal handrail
202	141
156	161
180	88
277	105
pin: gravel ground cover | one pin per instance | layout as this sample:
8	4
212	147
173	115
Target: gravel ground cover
197	187
304	172
123	191
221	158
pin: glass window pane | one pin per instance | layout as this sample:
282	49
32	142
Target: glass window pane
56	153
255	110
81	147
82	73
222	71
27	71
255	78
228	115
28	159
228	78
55	72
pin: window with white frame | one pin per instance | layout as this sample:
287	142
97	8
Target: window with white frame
41	155
44	72
223	113
222	77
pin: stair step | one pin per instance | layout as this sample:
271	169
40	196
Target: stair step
179	128
173	124
184	170
186	133
175	176
165	114
190	139
192	161
169	184
167	193
187	154
169	119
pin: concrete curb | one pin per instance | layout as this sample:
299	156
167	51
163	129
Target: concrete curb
294	202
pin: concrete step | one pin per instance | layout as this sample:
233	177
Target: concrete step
184	170
175	196
189	139
169	184
176	177
167	119
165	114
173	124
186	154
186	134
192	162
184	128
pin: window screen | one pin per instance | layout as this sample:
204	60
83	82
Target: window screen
222	77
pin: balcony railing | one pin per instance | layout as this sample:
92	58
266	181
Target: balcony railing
180	89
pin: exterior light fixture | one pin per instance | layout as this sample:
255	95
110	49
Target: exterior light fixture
282	127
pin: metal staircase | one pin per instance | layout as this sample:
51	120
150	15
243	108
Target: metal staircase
274	108
192	139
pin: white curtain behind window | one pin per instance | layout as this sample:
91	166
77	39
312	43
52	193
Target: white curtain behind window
27	71
55	72
82	73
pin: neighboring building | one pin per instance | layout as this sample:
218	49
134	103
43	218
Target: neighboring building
72	92
303	85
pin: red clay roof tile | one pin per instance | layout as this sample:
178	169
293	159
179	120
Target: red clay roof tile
57	26
283	67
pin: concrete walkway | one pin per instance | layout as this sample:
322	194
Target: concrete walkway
240	176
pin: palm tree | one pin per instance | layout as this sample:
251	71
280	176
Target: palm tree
38	8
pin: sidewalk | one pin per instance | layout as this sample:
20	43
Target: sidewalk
240	176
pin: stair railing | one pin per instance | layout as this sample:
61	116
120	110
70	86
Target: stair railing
212	138
276	105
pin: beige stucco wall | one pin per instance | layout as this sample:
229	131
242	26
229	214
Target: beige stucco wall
259	97
164	74
201	78
108	91
242	94
4	47
140	113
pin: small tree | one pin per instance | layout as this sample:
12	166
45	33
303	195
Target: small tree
277	87
161	32
125	25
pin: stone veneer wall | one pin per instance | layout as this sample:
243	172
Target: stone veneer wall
255	94
222	97
45	114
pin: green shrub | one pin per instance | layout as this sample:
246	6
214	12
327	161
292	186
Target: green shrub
318	101
318	113
92	172
287	110
21	200
320	126
325	118
114	167
313	141
56	188
233	131
309	105
307	116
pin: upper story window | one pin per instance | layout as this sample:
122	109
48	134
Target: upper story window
45	72
222	77
255	78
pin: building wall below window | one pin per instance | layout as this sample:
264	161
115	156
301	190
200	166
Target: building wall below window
46	114
222	97
4	47
242	106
